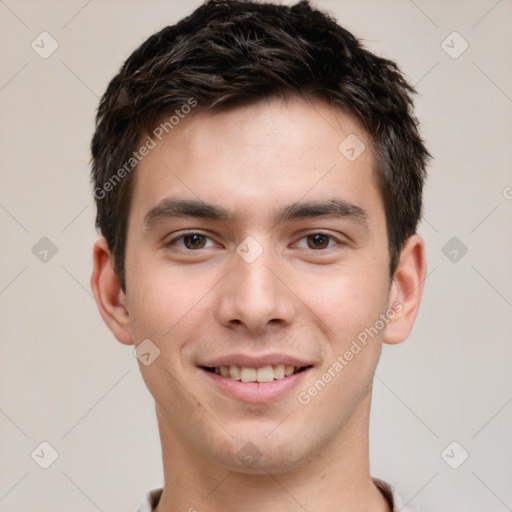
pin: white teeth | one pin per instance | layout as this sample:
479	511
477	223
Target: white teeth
234	372
278	371
264	374
248	374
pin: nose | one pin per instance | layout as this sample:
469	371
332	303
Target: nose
255	296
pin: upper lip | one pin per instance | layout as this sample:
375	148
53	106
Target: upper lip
244	360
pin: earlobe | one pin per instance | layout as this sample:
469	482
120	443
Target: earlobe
406	290
110	299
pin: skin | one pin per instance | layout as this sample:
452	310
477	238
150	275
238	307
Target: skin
295	298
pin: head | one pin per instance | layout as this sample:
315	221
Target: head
258	178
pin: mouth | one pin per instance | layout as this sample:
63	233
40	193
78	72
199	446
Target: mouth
256	380
263	374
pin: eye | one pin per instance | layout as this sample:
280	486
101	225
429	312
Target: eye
317	241
192	241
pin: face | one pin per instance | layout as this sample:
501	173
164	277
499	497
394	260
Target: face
257	248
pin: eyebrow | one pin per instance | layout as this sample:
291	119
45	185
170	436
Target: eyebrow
172	207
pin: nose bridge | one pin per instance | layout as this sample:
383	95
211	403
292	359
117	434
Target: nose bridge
257	280
254	295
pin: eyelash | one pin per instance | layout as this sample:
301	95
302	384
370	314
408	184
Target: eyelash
191	233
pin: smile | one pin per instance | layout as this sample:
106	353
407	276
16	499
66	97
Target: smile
263	374
256	385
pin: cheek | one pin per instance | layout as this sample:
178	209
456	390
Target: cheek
169	305
346	300
346	306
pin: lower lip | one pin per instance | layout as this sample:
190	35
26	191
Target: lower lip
256	392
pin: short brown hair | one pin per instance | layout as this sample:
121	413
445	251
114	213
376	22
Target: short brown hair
233	52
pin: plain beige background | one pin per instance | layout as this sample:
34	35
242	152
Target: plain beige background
66	381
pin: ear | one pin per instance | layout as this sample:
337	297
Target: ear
109	297
406	290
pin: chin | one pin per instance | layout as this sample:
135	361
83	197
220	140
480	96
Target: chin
256	455
268	464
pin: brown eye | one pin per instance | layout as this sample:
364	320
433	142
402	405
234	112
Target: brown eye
194	241
318	241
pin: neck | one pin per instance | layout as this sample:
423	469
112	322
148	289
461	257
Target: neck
335	479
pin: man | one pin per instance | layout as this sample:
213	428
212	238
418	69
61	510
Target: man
258	177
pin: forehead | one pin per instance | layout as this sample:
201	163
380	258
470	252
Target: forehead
251	158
